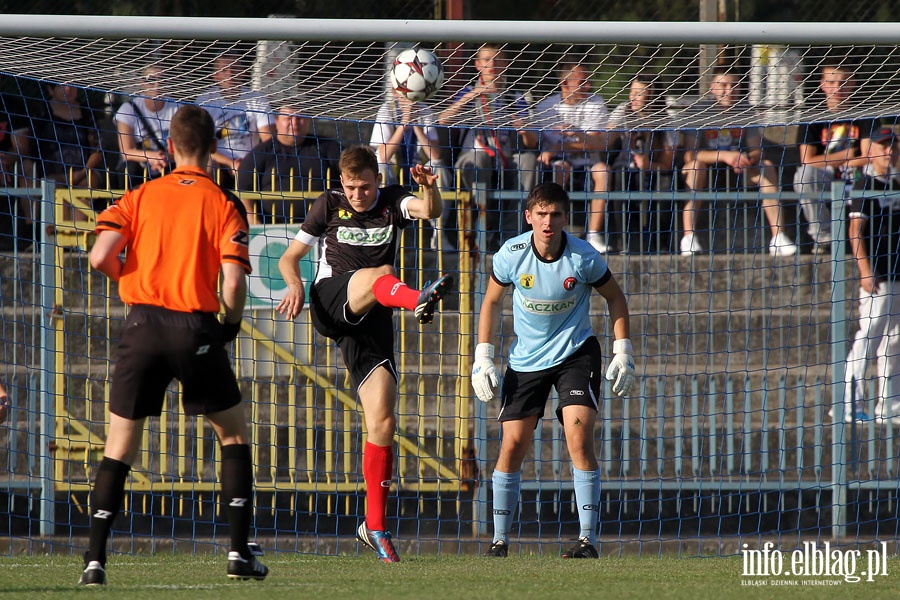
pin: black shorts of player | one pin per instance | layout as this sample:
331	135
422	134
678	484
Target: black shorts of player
366	341
158	345
577	381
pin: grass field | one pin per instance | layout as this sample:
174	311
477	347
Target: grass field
168	577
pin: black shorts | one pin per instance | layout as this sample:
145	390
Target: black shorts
158	345
577	381
366	341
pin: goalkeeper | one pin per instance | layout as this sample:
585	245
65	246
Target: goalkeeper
552	274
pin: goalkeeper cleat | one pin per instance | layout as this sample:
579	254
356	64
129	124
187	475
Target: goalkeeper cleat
245	568
498	548
583	548
379	541
430	295
94	574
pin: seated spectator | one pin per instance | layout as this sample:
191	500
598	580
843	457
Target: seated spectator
831	150
241	116
293	160
647	155
68	141
738	149
403	137
493	156
572	140
143	127
15	171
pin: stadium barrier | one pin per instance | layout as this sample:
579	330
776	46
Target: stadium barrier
740	356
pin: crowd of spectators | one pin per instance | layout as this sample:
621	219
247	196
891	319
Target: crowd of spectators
569	137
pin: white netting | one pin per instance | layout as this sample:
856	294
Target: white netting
346	80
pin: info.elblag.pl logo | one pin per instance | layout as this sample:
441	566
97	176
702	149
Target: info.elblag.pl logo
811	565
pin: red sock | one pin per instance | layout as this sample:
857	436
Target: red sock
393	293
378	467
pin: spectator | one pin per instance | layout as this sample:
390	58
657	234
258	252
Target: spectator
830	150
4	404
572	140
492	155
874	235
736	149
404	135
293	160
68	140
143	127
647	155
241	116
15	170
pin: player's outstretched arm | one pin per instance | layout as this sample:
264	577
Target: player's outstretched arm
430	205
105	253
289	265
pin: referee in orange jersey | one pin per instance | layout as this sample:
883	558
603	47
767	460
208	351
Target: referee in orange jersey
180	232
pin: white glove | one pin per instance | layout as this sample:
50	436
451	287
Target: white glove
621	368
484	374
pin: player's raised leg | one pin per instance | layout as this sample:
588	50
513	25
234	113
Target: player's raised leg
381	285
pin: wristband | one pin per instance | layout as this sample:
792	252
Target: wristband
622	346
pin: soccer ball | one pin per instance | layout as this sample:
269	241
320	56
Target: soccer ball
417	74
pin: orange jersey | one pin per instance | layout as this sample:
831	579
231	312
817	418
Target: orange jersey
180	229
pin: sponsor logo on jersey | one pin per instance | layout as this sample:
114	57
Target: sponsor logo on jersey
345	214
357	236
576	392
569	283
187	181
518	247
543	307
527	281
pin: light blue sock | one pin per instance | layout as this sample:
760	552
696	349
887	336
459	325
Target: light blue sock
587	496
506	498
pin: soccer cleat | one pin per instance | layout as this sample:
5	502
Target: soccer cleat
93	574
498	548
583	548
379	541
245	568
430	295
690	245
781	245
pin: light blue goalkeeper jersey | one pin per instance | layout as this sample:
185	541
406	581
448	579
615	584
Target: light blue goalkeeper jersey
551	300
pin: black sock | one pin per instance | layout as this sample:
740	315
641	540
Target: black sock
237	494
106	501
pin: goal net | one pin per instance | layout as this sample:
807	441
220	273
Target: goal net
741	291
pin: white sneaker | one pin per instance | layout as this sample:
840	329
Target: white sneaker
690	245
596	240
781	245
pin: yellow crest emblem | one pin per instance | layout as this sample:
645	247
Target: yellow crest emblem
345	214
527	281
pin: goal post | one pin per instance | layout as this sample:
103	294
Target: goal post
737	429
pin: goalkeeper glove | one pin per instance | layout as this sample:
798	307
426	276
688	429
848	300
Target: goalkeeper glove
230	331
484	374
621	369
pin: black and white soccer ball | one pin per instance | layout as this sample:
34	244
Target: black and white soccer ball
417	74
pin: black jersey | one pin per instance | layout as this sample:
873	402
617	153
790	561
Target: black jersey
355	240
881	229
